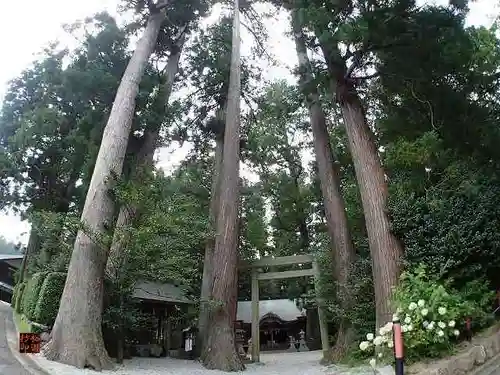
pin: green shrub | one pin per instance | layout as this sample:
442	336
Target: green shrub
19	297
22	296
431	316
31	294
14	295
36	329
49	298
26	295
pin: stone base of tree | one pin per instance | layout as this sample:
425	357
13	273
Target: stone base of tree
472	356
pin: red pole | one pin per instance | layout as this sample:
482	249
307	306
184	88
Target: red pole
398	347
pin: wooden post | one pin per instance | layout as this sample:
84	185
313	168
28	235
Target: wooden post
255	317
323	326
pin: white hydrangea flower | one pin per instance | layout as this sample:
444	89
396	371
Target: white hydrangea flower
456	332
390	344
421	303
404	328
384	330
410	327
440	333
442	310
430	326
451	324
395	317
399	310
370	337
373	362
364	345
425	323
412	306
378	341
424	312
442	324
380	355
407	319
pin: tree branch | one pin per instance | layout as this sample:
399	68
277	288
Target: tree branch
358	55
159	6
369	76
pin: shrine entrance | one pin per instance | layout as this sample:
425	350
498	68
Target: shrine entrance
258	275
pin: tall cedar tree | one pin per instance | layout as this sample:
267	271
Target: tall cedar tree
220	350
144	161
76	338
343	253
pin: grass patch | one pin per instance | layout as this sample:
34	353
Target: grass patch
22	324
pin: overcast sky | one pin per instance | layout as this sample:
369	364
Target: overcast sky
27	26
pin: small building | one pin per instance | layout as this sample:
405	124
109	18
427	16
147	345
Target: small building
167	305
9	264
278	320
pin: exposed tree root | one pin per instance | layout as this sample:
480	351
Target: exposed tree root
220	351
78	351
344	340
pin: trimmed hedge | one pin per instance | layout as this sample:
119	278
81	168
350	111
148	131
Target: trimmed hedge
19	297
14	295
49	298
31	294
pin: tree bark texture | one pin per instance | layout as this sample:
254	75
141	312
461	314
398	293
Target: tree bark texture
206	284
144	160
77	335
220	351
342	249
385	248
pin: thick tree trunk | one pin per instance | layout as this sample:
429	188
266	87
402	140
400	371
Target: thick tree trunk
220	351
77	335
144	160
385	248
342	249
206	284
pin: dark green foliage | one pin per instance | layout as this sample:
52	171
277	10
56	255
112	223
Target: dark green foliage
19	297
453	228
27	295
31	294
36	329
49	298
15	294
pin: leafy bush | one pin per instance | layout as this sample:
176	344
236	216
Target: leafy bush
14	295
452	226
19	297
49	298
27	295
31	294
431	315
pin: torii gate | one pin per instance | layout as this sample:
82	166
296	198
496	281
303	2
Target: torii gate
255	265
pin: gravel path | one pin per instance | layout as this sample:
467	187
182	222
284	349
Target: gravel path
303	363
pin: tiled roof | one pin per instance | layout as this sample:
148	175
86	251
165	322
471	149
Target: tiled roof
285	309
151	291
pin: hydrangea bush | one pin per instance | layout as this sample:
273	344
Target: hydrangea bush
431	317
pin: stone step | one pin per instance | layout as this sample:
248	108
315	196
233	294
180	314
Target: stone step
491	367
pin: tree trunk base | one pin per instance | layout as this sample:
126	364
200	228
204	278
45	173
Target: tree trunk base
75	350
220	351
342	345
